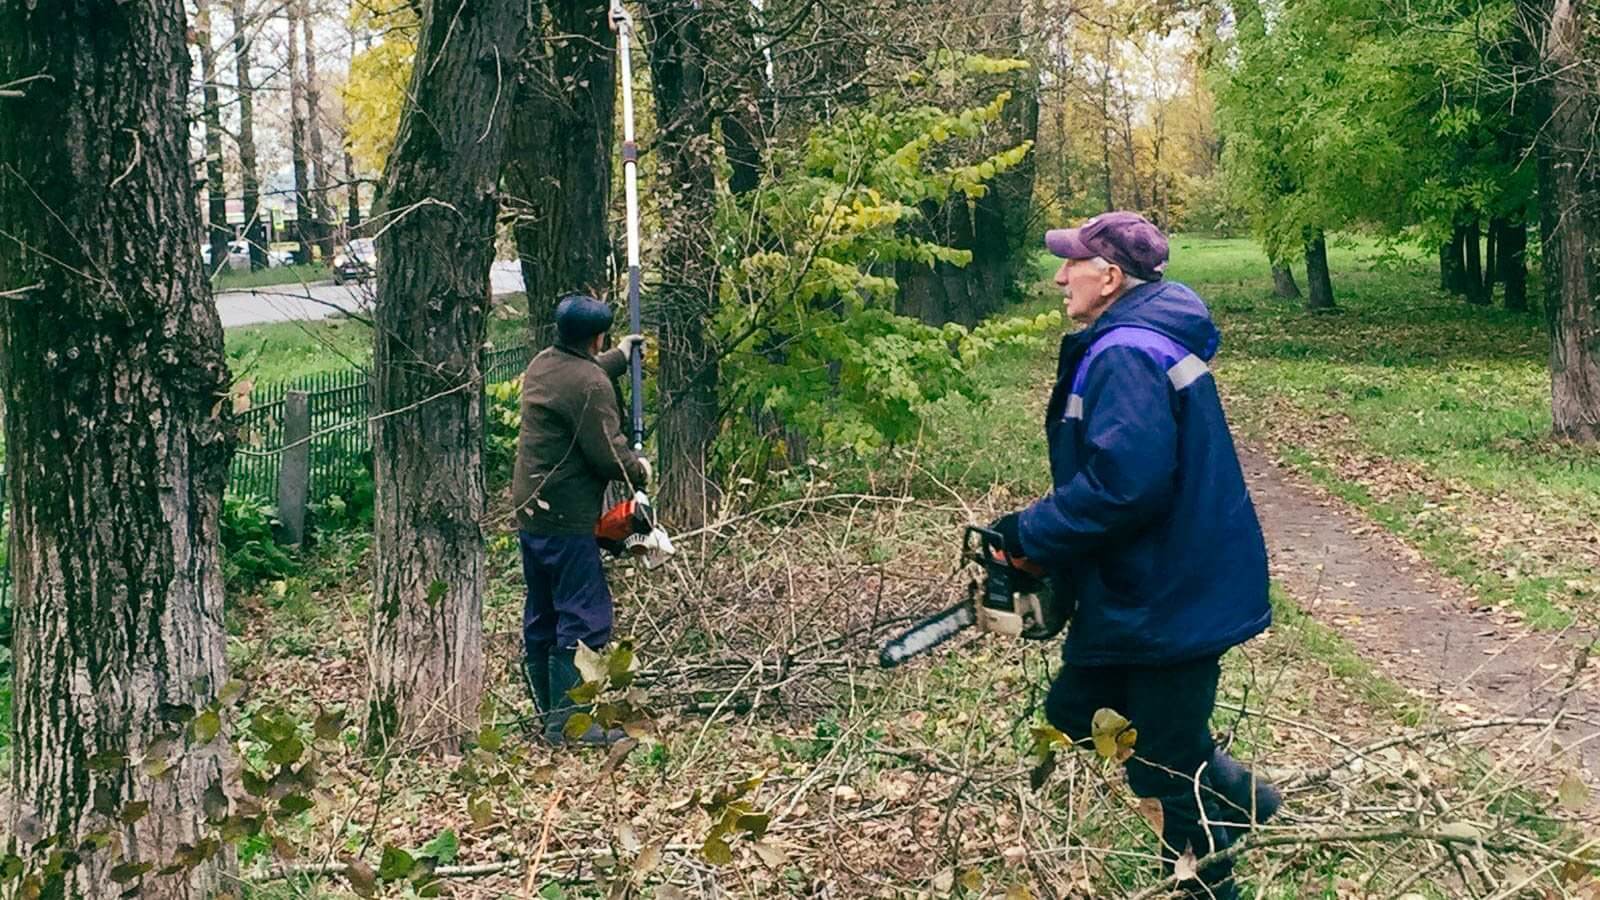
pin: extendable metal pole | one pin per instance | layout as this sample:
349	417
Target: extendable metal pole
623	24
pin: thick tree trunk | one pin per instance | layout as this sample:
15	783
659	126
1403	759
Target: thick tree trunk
1472	275
559	176
1491	256
352	193
426	649
117	445
1283	282
304	227
1318	278
1513	265
321	200
256	232
688	292
218	234
1570	192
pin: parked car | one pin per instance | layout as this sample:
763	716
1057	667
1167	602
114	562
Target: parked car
355	262
238	255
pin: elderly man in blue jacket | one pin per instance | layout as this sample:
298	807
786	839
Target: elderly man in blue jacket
1150	522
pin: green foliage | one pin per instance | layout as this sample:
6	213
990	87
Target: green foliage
501	423
249	552
809	318
229	280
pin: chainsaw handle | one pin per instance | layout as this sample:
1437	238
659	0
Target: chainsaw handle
993	544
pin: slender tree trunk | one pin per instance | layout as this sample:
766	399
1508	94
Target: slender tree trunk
1473	274
322	193
352	193
218	235
1452	265
427	437
688	292
1283	282
1513	249
1317	276
1570	194
257	233
303	216
562	147
1491	256
1105	125
117	446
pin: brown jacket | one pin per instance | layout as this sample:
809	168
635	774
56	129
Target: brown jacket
571	443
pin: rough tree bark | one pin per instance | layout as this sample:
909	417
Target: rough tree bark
1318	278
687	293
559	175
303	216
440	192
256	231
1570	194
218	234
321	191
112	365
1283	282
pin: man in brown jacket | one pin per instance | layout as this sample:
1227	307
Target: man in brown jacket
569	447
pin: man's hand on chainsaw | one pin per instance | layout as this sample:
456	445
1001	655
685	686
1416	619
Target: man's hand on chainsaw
1009	527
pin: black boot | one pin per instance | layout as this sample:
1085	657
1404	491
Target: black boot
1243	796
536	675
564	677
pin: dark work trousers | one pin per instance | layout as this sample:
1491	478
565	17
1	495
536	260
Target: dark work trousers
568	600
1171	708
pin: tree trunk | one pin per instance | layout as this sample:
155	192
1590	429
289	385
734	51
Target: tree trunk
303	227
1452	264
1513	265
1570	192
427	437
352	193
688	292
1317	276
1472	275
1491	256
322	192
112	367
562	146
218	234
1283	282
256	234
1105	124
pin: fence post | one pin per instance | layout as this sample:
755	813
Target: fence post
294	467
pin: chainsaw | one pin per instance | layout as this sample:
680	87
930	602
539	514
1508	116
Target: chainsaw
630	529
1015	597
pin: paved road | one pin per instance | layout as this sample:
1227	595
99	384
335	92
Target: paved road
321	299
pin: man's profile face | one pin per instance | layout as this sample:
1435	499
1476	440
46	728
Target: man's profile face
1088	289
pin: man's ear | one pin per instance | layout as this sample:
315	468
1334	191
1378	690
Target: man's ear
1114	278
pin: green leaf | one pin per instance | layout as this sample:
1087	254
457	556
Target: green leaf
293	805
716	850
286	752
481	810
620	665
328	725
577	725
133	811
206	727
396	863
442	849
107	761
489	739
754	824
585	693
129	871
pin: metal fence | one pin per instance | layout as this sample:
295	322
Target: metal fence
340	404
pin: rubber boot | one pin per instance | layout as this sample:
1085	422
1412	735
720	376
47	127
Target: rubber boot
536	675
564	677
1241	792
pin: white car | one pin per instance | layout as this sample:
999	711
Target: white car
356	261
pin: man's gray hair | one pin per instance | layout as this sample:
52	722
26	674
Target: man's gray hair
1129	282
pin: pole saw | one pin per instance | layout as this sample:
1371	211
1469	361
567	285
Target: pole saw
1014	597
630	527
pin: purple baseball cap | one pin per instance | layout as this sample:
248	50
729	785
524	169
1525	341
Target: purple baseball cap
1125	238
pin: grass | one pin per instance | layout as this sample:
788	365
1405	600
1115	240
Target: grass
281	351
232	280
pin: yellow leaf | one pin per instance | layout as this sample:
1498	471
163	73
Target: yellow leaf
1106	730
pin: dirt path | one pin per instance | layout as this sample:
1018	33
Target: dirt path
1417	625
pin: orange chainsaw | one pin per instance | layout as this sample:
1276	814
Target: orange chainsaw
630	529
1015	597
